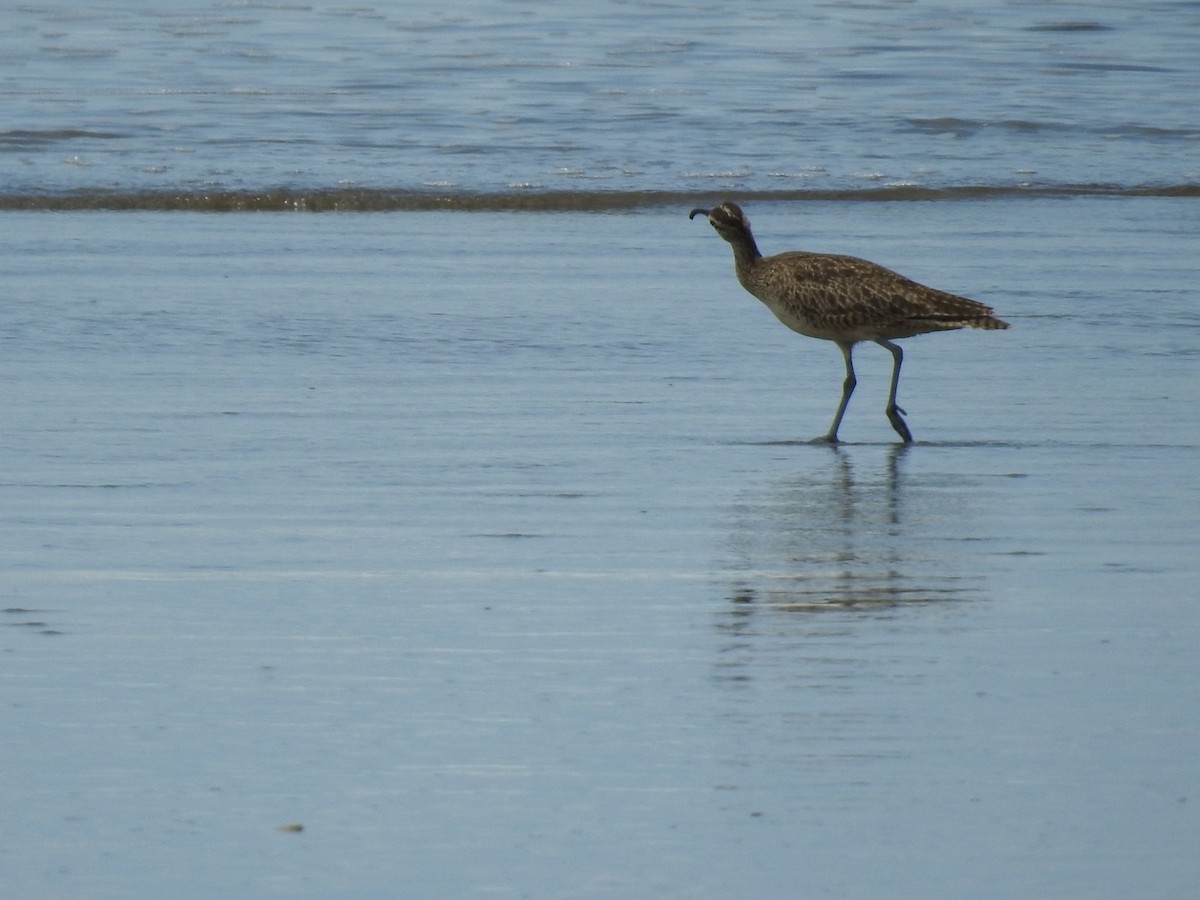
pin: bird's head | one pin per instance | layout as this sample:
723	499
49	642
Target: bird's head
727	219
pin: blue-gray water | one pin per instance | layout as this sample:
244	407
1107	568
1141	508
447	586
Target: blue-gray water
601	95
481	545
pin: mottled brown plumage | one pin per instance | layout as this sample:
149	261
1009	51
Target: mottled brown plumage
844	299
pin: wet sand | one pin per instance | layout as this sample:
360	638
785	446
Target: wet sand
484	548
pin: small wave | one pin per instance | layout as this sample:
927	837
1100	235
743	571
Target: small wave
944	123
1070	25
533	200
1071	67
20	137
969	127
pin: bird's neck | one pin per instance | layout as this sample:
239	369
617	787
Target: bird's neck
745	251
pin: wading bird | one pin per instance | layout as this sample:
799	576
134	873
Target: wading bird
844	299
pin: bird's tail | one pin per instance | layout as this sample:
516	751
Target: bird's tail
987	323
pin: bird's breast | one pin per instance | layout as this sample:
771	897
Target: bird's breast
809	319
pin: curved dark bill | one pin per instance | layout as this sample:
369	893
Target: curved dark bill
697	212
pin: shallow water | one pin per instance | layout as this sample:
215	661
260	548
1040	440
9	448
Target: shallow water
106	104
481	554
482	546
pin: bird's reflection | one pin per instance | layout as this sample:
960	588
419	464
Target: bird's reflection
853	531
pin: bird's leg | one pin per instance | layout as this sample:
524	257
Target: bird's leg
847	389
894	412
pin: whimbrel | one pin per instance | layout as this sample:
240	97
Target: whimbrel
844	299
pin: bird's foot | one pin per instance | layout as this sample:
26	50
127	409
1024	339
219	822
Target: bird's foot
895	414
826	439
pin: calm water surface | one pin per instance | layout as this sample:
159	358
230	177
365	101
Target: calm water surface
501	573
454	554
